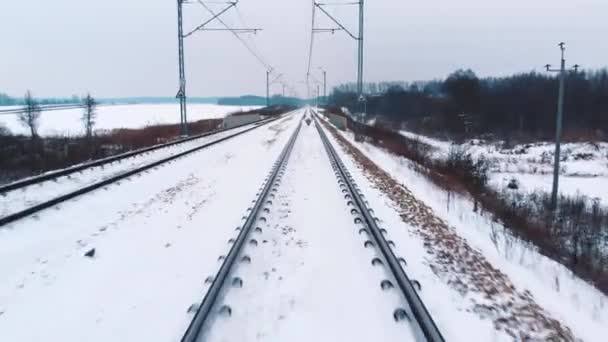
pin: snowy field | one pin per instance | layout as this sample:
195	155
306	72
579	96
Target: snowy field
583	166
67	122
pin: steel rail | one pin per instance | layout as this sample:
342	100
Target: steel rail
62	198
422	317
69	170
193	332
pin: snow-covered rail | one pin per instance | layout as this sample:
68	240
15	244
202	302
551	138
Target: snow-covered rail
43	192
296	267
204	311
20	184
416	312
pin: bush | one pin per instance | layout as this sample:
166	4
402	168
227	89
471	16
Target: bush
462	164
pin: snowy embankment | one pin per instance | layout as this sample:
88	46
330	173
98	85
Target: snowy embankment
156	237
583	166
67	122
479	282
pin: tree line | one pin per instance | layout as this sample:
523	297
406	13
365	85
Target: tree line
463	104
30	116
6	100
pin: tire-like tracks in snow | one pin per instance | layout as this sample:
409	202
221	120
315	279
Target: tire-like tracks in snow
21	185
416	312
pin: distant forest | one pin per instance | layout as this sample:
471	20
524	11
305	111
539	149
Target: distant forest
6	100
247	100
253	100
465	105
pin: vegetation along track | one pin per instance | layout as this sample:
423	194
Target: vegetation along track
422	324
80	167
417	312
14	216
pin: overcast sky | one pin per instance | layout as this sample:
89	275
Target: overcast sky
120	48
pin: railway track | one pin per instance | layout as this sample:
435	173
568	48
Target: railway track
227	279
47	201
109	160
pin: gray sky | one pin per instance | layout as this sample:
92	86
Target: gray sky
118	48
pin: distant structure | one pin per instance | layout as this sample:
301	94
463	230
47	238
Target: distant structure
241	118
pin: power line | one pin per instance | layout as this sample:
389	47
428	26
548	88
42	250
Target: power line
236	34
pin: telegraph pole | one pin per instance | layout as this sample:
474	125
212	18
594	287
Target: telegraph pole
318	93
267	88
360	59
181	94
558	125
324	85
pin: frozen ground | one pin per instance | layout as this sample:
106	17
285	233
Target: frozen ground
67	122
583	166
563	296
310	277
156	237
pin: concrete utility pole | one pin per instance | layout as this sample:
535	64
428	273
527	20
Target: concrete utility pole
181	93
318	93
558	125
360	59
268	88
324	85
269	83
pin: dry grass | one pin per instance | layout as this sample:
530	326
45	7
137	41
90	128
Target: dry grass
492	294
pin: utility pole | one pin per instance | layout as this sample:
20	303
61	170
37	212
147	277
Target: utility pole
558	125
267	88
324	86
318	93
360	59
181	94
358	38
269	82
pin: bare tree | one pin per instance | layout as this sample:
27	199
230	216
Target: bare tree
88	116
4	131
30	116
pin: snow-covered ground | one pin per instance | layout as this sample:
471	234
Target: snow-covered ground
583	166
563	296
67	122
156	237
17	200
310	277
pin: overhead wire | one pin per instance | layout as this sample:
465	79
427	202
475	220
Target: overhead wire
236	34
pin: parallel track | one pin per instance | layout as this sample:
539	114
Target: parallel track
86	189
80	167
204	311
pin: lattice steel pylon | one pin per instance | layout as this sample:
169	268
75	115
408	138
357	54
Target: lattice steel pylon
181	93
358	38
